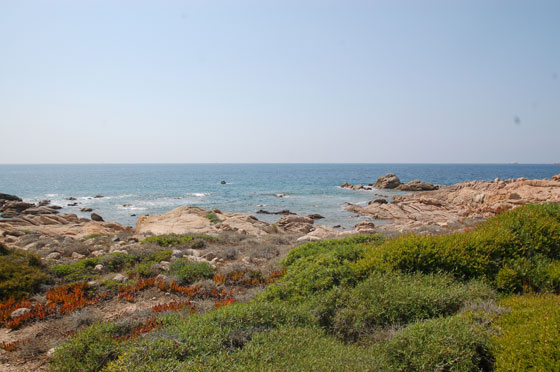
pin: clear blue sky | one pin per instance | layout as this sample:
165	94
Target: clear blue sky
279	81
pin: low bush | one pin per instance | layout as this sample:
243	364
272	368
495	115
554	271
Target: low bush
188	272
298	349
442	344
117	261
201	336
530	232
393	299
89	350
177	239
213	217
528	337
95	235
21	273
327	246
81	270
317	267
538	274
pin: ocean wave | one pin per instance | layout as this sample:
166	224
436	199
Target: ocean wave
132	208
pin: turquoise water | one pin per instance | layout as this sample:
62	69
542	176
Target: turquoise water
308	188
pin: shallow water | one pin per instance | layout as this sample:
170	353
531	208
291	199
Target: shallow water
308	188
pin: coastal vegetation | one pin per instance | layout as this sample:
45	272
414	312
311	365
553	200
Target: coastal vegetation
167	240
21	273
485	299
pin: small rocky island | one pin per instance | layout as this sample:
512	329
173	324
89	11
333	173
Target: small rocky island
392	182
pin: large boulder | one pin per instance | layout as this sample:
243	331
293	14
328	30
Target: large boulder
389	181
96	217
9	197
321	232
40	210
365	227
417	185
296	224
194	220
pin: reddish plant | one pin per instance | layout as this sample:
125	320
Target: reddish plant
173	306
225	302
10	346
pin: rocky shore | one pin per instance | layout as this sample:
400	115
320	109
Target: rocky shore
425	208
242	251
450	208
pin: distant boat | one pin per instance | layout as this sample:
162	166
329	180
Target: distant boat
556	163
514	162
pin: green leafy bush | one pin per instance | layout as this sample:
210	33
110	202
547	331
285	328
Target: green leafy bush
529	274
89	350
393	299
188	272
442	344
77	271
21	273
320	266
297	349
213	217
327	246
201	336
177	239
93	236
528	337
527	232
117	261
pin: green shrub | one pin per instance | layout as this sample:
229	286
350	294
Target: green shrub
89	350
297	349
553	276
528	337
213	217
93	236
148	355
117	261
528	232
188	272
326	246
21	273
177	239
81	270
535	274
143	270
319	266
199	337
393	299
442	344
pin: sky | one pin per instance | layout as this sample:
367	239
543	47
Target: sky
285	81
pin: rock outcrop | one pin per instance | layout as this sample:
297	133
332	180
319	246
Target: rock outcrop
389	181
283	212
321	232
454	207
194	220
43	220
296	224
417	185
392	182
184	220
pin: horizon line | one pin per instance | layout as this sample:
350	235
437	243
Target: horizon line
287	163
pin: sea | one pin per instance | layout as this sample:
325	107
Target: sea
132	190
